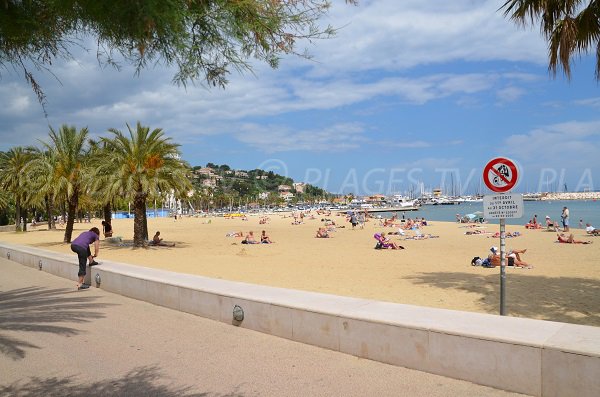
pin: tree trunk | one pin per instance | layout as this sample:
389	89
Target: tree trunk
50	211
139	208
145	222
24	215
107	212
17	214
73	201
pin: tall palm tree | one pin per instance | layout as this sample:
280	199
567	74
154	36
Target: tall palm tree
100	184
147	164
41	171
570	27
13	179
70	149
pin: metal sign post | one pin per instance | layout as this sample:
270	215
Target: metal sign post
500	175
502	268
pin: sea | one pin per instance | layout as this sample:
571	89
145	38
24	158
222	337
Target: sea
584	210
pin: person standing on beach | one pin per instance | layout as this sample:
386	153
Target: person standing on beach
565	219
81	246
353	220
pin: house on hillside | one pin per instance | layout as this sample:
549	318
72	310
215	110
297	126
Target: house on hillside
299	187
286	195
207	172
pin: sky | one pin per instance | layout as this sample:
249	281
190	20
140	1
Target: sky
409	95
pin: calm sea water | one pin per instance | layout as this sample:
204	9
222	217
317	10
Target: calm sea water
588	211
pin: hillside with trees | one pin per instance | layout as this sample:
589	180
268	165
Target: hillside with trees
224	186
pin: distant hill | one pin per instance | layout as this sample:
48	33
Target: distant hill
253	185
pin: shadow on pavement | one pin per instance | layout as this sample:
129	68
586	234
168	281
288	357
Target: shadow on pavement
39	309
564	299
139	382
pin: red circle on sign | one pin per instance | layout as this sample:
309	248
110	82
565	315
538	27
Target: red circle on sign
500	175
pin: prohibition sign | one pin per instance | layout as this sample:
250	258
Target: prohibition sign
500	175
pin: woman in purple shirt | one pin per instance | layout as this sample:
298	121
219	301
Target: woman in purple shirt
81	246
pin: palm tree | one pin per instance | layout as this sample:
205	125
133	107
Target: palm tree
570	27
147	164
100	185
41	172
13	179
69	147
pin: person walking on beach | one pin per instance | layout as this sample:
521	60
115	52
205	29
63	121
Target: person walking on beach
81	246
565	219
353	220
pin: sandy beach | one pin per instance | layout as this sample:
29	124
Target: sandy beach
564	284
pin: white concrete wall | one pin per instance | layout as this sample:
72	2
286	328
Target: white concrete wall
534	357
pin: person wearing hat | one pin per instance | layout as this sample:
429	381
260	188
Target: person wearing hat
551	225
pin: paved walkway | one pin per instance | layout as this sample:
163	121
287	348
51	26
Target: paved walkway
56	341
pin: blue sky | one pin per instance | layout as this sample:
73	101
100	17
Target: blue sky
408	92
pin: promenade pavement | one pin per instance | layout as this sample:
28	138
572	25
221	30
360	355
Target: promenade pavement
57	341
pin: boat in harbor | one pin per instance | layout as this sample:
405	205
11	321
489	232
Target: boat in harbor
398	200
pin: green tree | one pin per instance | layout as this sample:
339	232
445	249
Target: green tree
70	168
570	26
203	39
13	178
41	171
147	164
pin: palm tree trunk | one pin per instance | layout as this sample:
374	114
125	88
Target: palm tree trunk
24	214
145	221
17	214
52	220
139	208
50	211
73	201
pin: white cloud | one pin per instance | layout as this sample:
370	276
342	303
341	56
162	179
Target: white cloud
273	138
591	102
509	94
395	35
573	143
15	100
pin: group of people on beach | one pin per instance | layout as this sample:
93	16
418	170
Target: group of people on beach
564	236
250	239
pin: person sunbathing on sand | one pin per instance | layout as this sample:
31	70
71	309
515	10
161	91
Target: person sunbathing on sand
589	229
235	234
156	240
250	239
322	233
563	238
513	258
264	239
384	243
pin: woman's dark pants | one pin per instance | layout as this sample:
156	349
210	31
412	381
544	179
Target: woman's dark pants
82	254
